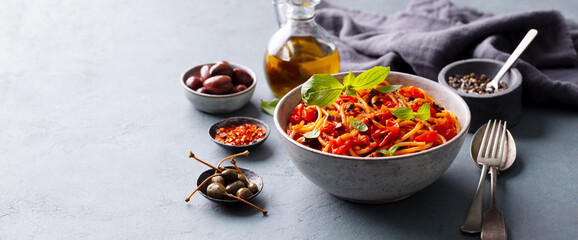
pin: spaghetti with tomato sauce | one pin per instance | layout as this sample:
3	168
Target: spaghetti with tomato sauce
329	129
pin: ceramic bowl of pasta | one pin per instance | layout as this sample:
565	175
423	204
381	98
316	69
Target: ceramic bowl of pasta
219	87
378	145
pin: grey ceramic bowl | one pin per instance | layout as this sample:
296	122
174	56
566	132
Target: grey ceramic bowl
380	179
211	103
505	105
236	121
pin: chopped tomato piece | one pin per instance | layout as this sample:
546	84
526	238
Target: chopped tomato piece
446	130
382	117
302	113
365	120
392	126
295	117
328	128
383	136
341	145
309	113
449	119
429	136
361	140
446	127
390	104
411	91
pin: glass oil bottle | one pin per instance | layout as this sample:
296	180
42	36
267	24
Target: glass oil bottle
299	49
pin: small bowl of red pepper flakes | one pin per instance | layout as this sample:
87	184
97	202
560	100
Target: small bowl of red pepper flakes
239	133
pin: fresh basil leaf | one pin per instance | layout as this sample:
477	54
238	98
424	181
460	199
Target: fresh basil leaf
404	113
390	151
384	152
350	92
370	78
423	112
324	89
269	106
321	90
359	125
312	134
347	80
389	88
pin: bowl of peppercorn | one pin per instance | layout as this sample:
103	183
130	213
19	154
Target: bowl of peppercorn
468	78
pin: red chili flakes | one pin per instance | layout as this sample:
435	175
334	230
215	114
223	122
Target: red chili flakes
244	134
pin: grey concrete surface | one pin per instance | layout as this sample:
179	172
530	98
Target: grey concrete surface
95	134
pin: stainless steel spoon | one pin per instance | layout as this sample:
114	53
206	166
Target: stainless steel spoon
517	52
473	222
494	225
509	152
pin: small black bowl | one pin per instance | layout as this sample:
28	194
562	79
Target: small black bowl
505	105
236	121
251	177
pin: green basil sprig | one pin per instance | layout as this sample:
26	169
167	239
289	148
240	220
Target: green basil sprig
359	125
324	89
389	88
390	151
313	134
406	113
269	106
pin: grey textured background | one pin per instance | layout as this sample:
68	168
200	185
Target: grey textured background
95	134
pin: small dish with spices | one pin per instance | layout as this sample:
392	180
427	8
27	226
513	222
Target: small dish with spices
468	77
239	133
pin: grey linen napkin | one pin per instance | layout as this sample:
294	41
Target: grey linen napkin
430	34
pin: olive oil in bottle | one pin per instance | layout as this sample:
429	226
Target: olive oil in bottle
297	60
299	49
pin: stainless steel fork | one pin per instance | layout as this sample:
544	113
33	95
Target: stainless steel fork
490	154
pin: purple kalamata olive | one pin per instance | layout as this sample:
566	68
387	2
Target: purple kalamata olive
194	82
241	76
203	90
220	84
221	68
239	88
205	72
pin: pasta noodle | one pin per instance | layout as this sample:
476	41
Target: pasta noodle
329	129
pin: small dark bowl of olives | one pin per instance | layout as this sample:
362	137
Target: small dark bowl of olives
239	133
219	87
246	186
467	78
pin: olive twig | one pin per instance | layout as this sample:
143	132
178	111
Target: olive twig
192	155
200	185
245	153
245	201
